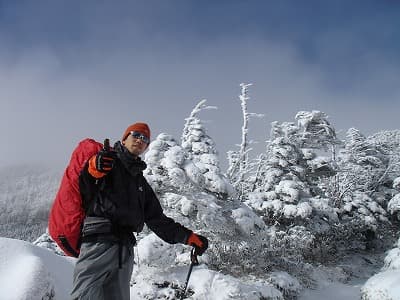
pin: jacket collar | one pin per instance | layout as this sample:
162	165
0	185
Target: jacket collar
135	166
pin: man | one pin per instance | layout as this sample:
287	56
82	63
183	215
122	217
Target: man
118	201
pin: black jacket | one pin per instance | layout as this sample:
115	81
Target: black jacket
125	198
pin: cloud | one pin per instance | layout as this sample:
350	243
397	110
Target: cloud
106	75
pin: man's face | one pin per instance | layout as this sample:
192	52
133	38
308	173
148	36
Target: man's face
134	145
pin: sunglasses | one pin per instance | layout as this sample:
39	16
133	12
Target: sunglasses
138	135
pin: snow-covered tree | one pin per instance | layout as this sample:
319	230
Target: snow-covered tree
364	164
394	204
47	242
26	195
316	139
283	193
389	143
239	163
203	153
169	168
315	131
356	189
291	167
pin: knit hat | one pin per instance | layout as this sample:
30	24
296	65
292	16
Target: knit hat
143	128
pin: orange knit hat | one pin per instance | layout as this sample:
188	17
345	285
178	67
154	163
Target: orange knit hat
143	128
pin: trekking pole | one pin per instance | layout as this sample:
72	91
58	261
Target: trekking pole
194	262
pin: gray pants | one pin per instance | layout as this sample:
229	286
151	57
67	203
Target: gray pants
97	274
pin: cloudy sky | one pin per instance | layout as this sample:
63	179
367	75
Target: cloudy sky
75	69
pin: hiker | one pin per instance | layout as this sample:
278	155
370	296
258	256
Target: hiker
119	201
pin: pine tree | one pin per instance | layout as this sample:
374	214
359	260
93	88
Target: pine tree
202	151
169	168
287	180
283	193
362	167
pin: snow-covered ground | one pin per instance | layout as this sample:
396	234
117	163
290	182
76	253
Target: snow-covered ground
386	284
333	291
31	272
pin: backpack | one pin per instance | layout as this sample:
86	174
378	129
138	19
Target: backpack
67	212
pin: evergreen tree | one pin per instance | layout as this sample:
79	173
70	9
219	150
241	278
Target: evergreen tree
362	167
169	168
287	180
283	193
394	203
315	131
203	153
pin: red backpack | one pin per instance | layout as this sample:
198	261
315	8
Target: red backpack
67	213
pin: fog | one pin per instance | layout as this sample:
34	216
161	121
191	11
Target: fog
112	67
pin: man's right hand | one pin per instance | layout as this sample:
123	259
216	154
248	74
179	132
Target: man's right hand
105	161
101	163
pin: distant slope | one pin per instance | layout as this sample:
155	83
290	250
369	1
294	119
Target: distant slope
26	194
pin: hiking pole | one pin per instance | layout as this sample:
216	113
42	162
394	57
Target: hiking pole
194	262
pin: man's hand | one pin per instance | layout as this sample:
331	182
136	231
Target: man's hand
199	242
101	163
105	161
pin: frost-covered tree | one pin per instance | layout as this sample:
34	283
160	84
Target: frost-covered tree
203	153
356	192
364	164
239	163
316	139
287	177
315	131
26	194
283	192
286	190
45	241
394	204
169	168
362	167
389	143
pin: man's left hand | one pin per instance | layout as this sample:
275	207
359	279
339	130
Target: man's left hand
199	242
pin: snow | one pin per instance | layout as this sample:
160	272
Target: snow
247	219
394	204
333	291
396	183
31	272
392	260
203	284
383	286
285	282
386	284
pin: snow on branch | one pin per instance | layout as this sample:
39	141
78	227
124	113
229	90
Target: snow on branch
193	115
238	161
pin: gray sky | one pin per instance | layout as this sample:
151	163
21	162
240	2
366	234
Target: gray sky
76	69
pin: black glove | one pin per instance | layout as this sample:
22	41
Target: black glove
199	242
105	160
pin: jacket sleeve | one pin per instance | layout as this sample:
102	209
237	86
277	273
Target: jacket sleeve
87	187
164	227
